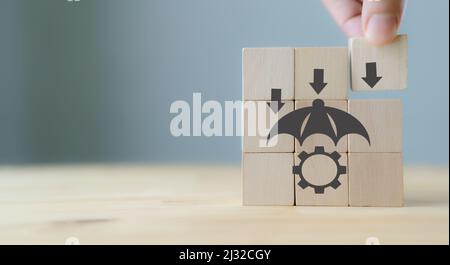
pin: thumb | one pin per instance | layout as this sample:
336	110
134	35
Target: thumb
381	19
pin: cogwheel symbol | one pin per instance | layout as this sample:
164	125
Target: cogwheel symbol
319	189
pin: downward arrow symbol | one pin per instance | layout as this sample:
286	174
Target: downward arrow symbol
371	74
275	98
318	85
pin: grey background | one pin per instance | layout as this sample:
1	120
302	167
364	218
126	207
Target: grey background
93	81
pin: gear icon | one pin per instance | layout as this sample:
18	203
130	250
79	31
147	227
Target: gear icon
319	189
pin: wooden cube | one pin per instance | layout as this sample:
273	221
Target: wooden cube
259	118
375	179
267	68
378	67
268	179
319	139
321	72
383	122
320	169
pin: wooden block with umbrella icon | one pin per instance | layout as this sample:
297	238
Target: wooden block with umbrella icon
321	72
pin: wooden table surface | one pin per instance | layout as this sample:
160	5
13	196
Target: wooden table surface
199	205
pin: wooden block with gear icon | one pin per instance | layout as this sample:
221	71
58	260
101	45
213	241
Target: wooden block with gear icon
321	178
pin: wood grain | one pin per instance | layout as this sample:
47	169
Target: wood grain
267	68
391	60
375	179
267	179
334	62
383	122
200	204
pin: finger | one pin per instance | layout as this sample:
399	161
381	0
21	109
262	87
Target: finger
347	14
381	19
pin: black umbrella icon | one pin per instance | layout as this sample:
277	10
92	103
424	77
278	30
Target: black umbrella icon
319	119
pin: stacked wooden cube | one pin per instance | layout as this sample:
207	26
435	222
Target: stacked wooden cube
372	172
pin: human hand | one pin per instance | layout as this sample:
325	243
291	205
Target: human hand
377	20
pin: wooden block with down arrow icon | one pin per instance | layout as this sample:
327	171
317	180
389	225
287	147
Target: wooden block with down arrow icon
321	72
259	118
378	67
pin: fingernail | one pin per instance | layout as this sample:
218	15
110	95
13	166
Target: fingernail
381	28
